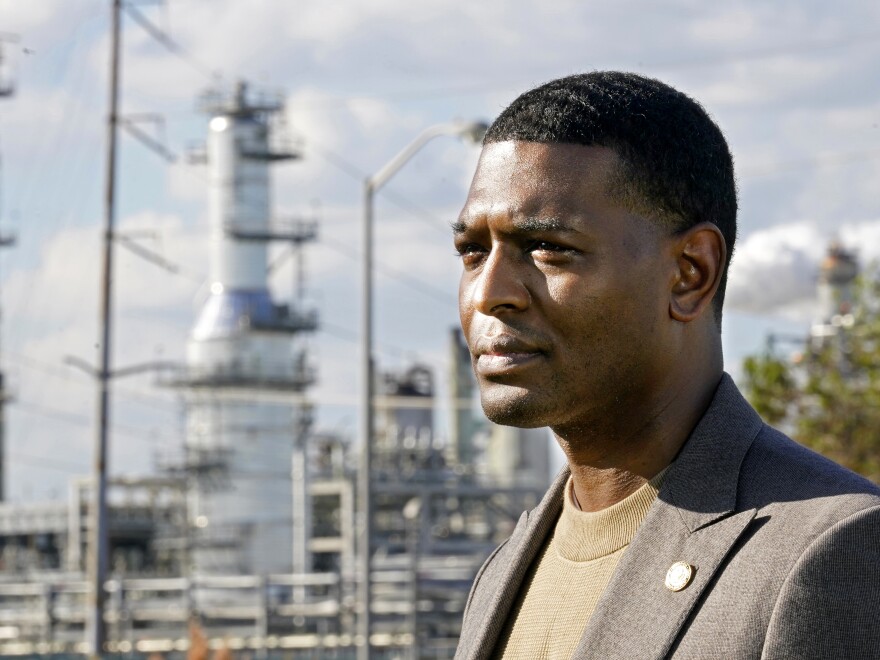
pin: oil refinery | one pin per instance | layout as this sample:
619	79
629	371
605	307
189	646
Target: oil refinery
250	530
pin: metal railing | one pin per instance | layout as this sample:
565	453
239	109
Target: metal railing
259	613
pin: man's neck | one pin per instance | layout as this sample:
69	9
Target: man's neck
611	460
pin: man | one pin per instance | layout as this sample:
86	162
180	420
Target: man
595	242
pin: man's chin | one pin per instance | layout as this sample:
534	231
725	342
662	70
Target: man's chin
513	408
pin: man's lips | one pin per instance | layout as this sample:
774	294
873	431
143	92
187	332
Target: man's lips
499	355
492	363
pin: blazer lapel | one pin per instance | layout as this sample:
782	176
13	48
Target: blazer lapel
694	520
638	617
497	603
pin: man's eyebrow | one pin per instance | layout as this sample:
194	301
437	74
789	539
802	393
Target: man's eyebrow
458	227
542	224
523	226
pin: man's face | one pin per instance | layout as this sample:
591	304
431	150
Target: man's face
564	294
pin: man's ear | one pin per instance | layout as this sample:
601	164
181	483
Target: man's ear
700	256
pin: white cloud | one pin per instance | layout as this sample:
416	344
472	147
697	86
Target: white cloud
66	278
54	308
774	270
864	239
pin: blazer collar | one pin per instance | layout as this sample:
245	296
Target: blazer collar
694	520
702	482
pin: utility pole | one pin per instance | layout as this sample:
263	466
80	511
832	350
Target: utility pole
7	88
96	633
98	530
5	241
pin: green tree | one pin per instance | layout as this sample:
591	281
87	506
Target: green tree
829	398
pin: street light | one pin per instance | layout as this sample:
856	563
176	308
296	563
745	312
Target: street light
471	131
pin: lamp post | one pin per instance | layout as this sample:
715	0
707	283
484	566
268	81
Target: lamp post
473	132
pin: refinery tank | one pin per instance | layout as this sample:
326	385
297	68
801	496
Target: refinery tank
241	448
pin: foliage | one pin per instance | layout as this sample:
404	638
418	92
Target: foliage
829	398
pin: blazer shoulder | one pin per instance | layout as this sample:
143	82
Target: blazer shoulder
829	604
779	471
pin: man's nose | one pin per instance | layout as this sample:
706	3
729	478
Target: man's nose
499	286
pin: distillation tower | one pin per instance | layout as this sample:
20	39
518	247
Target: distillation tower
837	276
247	511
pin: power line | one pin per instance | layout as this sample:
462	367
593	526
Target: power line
170	44
412	282
75	195
46	462
156	401
401	201
132	395
59	415
404	278
350	335
156	259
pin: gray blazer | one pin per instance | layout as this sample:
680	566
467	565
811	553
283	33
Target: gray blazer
785	545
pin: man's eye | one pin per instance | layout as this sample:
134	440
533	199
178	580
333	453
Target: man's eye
468	249
471	255
546	246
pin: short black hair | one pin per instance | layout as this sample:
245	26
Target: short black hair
676	165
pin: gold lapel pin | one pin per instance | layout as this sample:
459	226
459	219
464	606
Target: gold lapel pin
679	576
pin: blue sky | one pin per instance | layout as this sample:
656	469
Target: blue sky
794	85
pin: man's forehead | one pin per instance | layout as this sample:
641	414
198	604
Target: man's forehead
536	179
522	169
549	157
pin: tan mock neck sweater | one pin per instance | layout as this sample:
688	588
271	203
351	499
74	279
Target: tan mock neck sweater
563	586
